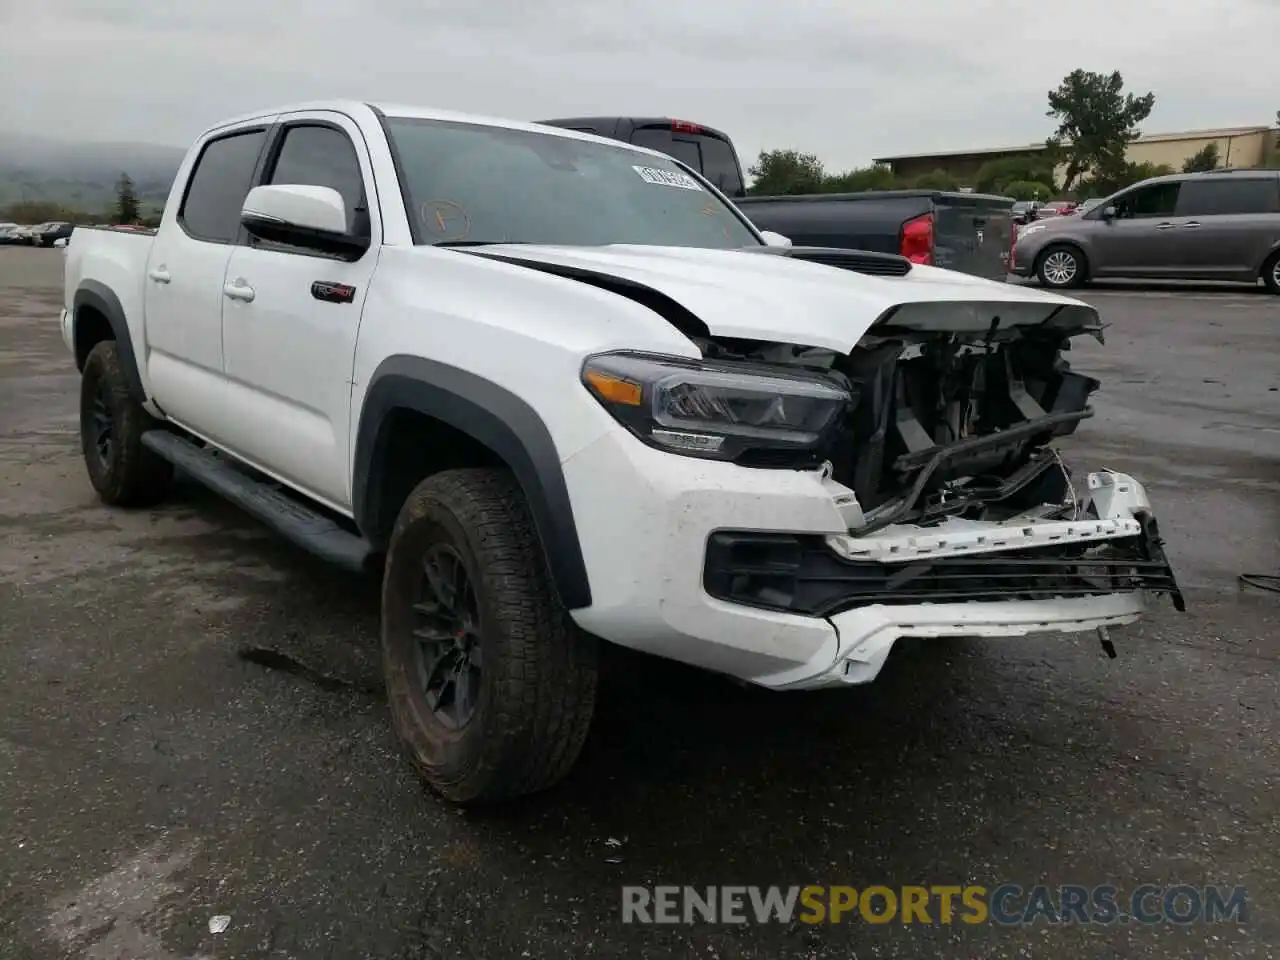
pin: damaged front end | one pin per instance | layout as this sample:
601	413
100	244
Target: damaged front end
944	470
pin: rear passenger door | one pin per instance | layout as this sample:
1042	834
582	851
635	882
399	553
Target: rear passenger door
291	316
1227	223
183	283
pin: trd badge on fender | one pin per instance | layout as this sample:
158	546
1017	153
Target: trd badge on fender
333	292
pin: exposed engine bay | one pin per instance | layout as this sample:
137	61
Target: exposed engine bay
945	424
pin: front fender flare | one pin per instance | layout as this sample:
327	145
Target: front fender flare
494	417
98	296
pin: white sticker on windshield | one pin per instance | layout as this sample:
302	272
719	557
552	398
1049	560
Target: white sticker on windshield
667	178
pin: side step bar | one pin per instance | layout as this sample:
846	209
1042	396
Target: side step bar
308	528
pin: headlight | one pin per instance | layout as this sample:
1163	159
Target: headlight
720	411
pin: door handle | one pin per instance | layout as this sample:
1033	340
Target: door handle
1191	223
160	275
1165	226
238	291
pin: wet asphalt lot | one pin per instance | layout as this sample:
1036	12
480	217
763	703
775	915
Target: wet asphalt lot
150	778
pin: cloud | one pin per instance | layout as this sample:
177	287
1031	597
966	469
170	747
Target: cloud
845	81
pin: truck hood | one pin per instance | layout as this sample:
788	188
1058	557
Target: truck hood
744	294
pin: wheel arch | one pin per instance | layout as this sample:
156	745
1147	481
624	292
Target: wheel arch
1074	245
473	417
96	316
1267	257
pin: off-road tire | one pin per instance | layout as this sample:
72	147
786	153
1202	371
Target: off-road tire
538	677
1078	278
129	475
1271	273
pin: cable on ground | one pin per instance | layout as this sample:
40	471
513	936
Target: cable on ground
1262	581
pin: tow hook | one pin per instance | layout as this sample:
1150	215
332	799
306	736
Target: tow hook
1104	638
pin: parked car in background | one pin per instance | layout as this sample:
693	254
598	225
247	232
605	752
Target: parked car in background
1219	225
12	233
27	235
1056	208
1024	211
58	230
968	232
703	148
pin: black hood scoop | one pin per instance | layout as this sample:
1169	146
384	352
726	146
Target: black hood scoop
869	262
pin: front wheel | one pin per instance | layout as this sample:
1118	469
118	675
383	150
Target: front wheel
1061	267
491	684
1271	273
112	422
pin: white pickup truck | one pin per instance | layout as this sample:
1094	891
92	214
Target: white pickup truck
562	391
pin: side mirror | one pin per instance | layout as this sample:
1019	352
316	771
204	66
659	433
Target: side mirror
61	242
1108	213
775	239
302	216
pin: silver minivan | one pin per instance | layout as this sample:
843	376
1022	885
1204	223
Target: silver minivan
1220	225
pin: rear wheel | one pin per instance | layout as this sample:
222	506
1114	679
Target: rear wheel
1061	267
112	422
1271	273
491	684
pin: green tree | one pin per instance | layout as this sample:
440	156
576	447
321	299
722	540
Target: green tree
1203	161
782	172
1096	121
38	211
878	176
1028	190
126	200
1125	176
935	180
995	176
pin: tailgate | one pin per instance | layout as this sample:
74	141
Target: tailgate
973	233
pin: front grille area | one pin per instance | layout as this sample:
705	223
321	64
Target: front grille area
800	574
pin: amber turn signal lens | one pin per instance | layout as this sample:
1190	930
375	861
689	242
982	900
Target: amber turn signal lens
614	389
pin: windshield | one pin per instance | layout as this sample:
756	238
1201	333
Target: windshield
468	183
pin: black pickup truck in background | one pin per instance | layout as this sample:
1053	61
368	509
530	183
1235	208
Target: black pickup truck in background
968	232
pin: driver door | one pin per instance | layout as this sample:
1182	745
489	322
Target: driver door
291	316
1141	240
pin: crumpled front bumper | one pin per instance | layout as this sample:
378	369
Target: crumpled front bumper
651	525
971	579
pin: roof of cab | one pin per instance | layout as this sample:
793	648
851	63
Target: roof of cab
357	108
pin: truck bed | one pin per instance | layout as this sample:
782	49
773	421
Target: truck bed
113	263
972	231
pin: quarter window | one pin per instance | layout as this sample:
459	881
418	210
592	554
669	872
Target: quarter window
1225	195
219	182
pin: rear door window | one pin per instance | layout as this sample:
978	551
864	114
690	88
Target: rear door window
710	156
720	166
1207	197
658	138
219	183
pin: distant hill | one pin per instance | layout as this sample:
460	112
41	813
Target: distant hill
82	176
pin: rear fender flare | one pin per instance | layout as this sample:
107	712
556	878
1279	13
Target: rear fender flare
492	416
98	296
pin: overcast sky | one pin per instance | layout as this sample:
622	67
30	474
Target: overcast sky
842	79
